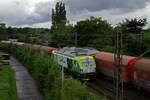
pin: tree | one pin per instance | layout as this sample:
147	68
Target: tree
93	32
58	28
3	34
59	14
132	31
133	26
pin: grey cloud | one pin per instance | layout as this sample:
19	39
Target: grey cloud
94	5
17	13
40	14
43	10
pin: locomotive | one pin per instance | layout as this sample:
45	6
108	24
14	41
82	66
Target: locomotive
76	60
134	70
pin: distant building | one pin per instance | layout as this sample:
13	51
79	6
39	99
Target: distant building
13	40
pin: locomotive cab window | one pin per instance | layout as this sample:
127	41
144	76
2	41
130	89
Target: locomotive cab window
70	65
76	64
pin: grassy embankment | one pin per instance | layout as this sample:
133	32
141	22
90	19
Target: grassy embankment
7	83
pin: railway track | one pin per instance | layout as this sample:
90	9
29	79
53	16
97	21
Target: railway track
102	86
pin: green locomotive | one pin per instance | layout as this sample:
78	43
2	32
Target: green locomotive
77	61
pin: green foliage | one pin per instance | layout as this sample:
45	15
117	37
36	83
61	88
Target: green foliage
48	76
62	36
7	83
59	14
146	41
29	35
109	49
33	40
132	31
93	32
3	34
134	26
59	29
147	38
73	89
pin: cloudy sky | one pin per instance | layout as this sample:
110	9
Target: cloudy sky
37	13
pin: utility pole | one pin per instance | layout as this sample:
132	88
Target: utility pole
118	83
62	77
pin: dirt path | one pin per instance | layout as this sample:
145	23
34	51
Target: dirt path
26	88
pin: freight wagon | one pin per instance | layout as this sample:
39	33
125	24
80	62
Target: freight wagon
105	65
133	70
141	75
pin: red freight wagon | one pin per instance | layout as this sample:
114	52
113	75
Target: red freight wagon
142	74
48	50
36	47
27	45
105	65
40	48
